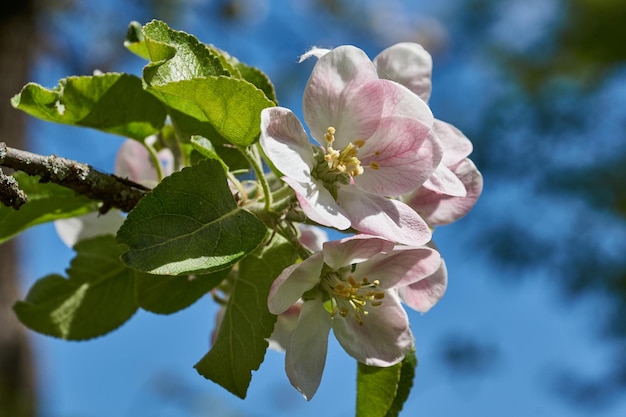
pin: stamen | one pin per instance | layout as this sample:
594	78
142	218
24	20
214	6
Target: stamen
374	165
350	295
344	161
330	135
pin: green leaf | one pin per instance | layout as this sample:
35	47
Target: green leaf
112	102
231	157
240	345
166	295
46	202
175	55
231	106
135	40
97	298
381	392
189	224
259	79
407	374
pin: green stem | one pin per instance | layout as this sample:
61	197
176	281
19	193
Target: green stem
255	163
154	158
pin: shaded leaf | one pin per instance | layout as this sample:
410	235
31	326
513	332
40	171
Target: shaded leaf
189	224
241	342
46	202
96	298
166	295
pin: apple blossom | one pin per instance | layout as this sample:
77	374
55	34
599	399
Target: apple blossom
376	141
456	184
351	287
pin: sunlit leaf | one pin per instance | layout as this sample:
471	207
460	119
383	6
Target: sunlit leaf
232	106
407	373
96	298
112	102
189	224
240	344
174	55
376	389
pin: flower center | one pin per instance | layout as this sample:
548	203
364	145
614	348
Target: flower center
344	161
351	296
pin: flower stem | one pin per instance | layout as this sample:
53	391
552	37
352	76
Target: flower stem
255	163
154	158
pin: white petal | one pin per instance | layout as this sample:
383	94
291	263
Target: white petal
408	64
354	249
90	225
343	92
313	52
286	144
456	146
401	267
424	294
406	154
384	217
444	181
382	340
318	204
306	352
294	281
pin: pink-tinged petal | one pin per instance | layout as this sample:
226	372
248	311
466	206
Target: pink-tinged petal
285	323
306	352
444	181
313	237
318	204
75	229
401	102
286	144
294	281
354	249
344	92
133	162
401	267
313	52
408	64
424	294
382	340
456	146
439	209
398	158
384	217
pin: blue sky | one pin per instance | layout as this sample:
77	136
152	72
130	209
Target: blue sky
528	329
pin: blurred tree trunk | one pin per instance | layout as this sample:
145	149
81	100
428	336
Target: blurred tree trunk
17	382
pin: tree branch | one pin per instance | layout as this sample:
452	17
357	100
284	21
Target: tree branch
10	193
112	190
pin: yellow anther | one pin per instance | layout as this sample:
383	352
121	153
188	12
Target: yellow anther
330	135
374	165
359	143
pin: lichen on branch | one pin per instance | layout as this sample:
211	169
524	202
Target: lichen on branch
113	191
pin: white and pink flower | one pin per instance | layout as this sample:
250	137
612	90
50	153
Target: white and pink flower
351	286
375	141
454	187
